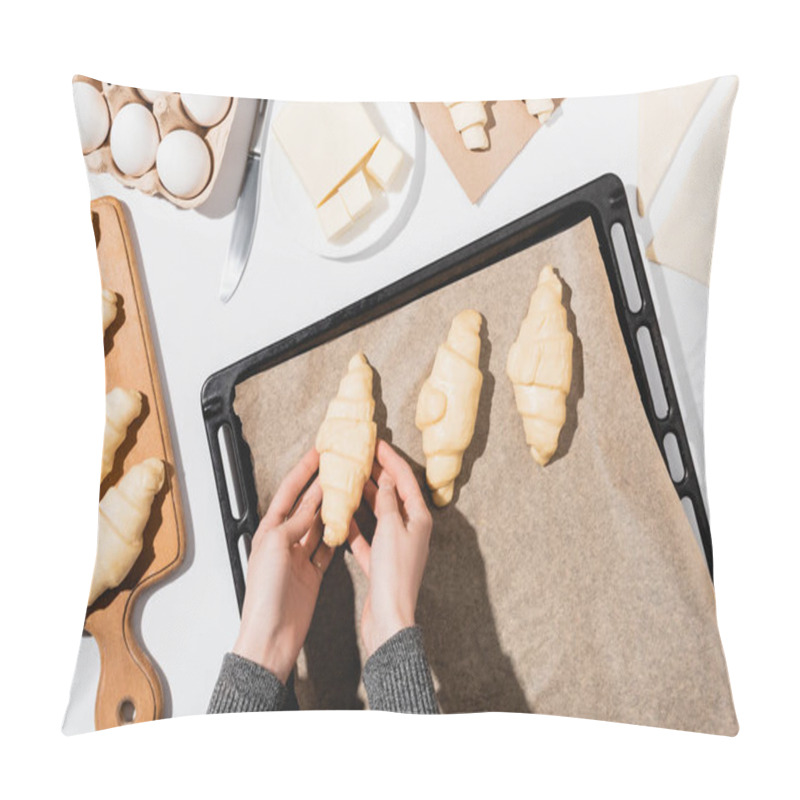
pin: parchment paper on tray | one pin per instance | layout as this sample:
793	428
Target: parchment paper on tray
509	128
578	589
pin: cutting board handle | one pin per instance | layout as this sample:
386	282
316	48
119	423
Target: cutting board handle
129	689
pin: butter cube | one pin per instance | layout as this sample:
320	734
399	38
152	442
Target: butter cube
356	195
384	164
333	216
325	142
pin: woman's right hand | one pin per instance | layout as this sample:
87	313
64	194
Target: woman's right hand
395	562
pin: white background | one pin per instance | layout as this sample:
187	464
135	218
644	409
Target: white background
53	386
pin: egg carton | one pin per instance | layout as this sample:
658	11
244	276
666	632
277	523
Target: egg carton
169	115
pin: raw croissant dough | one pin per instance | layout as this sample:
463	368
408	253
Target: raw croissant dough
541	109
122	408
470	120
448	405
540	367
109	308
124	512
346	444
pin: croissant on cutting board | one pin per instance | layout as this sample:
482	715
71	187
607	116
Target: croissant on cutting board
110	308
448	405
540	367
346	444
122	408
124	512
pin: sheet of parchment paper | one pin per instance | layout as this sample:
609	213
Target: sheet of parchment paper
509	128
577	589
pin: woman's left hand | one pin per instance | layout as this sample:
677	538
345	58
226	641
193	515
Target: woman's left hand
284	573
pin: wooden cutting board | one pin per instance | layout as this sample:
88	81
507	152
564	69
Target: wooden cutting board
129	689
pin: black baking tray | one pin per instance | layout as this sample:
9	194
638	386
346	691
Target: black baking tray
605	202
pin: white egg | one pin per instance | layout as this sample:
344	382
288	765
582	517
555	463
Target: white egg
134	139
92	112
150	95
206	109
183	163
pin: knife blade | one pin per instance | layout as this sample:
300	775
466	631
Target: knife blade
244	222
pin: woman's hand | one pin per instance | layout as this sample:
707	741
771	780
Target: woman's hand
284	573
396	560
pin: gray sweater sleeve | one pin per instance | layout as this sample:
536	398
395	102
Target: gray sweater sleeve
243	685
397	676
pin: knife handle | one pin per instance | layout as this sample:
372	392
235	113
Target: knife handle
257	135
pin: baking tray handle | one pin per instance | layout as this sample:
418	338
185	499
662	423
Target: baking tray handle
637	315
231	461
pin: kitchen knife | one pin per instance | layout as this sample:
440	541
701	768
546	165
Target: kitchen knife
244	222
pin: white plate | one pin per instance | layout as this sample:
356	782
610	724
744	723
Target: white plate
390	210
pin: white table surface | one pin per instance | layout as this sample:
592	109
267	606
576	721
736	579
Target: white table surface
190	621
